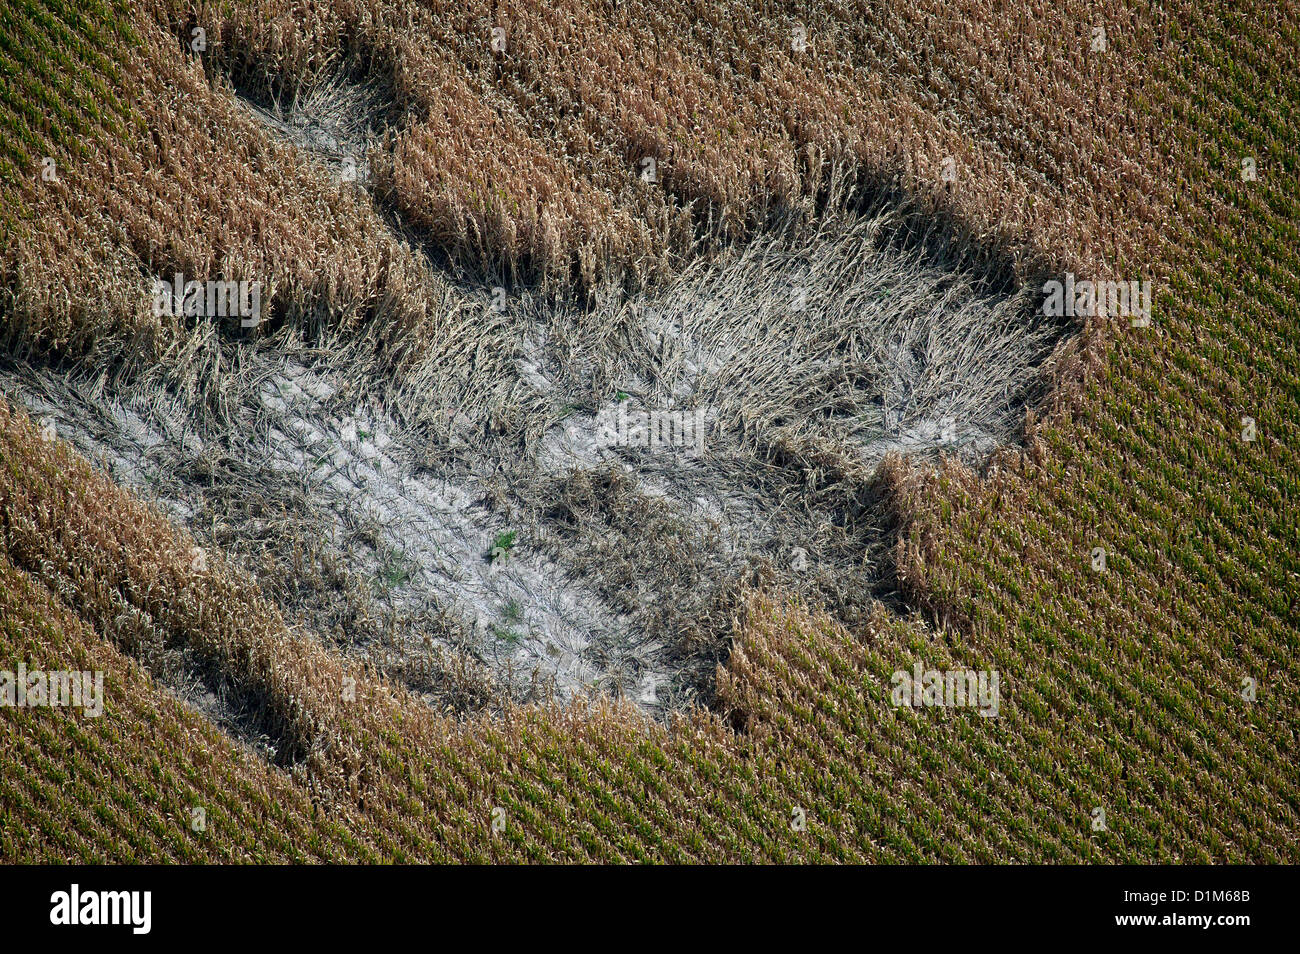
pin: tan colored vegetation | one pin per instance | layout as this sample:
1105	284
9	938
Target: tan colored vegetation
1122	689
527	163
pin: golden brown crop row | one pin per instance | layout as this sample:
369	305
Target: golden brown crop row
528	163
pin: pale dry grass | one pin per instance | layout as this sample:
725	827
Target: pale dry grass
811	353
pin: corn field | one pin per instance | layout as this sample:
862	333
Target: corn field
1123	555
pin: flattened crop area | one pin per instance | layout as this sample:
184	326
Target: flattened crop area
589	530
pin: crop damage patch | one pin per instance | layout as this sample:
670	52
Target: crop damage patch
586	526
730	426
344	529
559	499
334	120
